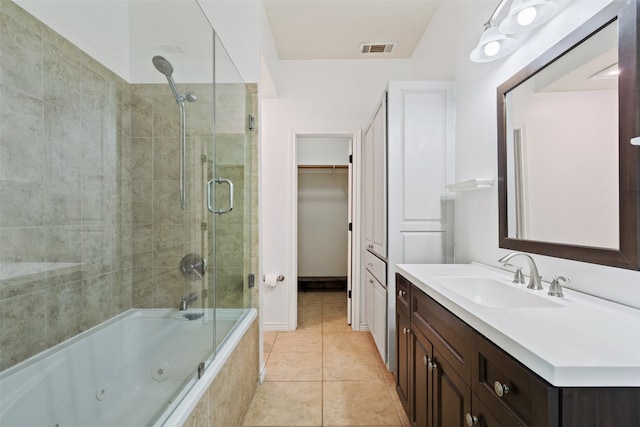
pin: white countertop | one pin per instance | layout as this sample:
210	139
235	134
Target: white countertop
587	342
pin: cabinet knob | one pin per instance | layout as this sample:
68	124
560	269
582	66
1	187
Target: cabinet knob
432	366
425	359
406	331
501	389
471	420
401	293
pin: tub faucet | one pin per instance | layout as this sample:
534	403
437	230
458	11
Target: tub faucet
184	304
535	280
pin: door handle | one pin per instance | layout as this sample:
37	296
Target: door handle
219	180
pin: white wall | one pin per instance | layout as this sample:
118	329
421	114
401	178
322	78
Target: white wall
238	24
476	222
314	97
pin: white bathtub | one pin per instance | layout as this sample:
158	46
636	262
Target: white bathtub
137	369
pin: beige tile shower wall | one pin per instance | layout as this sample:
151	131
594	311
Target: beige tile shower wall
163	233
228	398
65	188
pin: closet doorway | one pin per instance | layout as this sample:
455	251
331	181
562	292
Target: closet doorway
324	217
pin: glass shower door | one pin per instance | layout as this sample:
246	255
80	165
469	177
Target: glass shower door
230	195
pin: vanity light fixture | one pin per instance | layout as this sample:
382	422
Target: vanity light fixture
527	14
523	15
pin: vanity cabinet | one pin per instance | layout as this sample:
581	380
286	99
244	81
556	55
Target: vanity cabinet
448	374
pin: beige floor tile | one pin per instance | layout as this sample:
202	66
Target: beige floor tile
286	404
333	311
301	341
310	325
345	366
334	298
338	324
269	339
361	403
294	367
347	341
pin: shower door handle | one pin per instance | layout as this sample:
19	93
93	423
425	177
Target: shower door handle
219	180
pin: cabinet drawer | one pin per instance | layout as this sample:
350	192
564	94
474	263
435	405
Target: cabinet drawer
530	399
377	267
487	419
403	287
445	331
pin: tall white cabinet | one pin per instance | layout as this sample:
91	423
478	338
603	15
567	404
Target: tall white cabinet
408	161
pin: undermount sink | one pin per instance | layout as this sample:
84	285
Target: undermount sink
490	292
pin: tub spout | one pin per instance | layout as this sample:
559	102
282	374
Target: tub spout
184	303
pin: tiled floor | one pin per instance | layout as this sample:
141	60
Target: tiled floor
324	374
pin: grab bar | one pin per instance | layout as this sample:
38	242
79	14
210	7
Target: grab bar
219	180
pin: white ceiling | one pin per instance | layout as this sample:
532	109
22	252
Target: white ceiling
334	29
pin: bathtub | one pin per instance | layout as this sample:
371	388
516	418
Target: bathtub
137	369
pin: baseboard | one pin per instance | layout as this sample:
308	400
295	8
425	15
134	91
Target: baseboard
275	327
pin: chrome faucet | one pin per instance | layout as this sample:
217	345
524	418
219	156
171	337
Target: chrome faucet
184	303
535	280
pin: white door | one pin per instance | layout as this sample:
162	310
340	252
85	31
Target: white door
350	236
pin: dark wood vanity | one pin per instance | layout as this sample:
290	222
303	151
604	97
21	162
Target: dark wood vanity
448	375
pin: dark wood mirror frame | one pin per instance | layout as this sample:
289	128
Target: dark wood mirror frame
627	12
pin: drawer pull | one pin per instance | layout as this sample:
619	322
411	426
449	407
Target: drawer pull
401	293
471	420
501	389
406	331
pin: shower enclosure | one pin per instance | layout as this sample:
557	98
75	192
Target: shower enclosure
115	193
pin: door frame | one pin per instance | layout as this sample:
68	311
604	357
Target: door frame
355	150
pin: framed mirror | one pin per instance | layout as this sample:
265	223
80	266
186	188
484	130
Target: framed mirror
567	169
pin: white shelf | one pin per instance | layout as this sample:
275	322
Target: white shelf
471	184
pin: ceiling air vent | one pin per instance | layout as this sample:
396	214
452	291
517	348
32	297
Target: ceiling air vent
377	47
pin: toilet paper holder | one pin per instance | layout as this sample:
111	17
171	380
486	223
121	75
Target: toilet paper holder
279	279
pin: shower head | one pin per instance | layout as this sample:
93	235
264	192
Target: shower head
166	68
162	65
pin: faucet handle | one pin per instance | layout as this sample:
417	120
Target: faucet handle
518	276
555	290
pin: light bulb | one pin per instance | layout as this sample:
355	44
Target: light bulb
527	16
491	48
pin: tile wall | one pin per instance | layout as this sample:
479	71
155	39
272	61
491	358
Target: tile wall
65	189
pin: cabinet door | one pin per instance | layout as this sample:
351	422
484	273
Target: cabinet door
403	369
380	318
451	395
380	179
422	401
368	167
369	305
